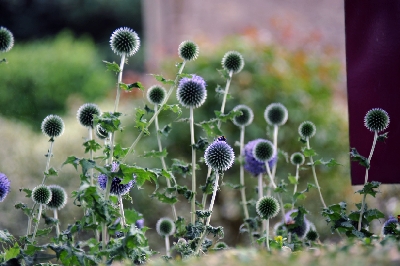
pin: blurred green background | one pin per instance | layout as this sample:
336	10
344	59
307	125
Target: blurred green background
56	65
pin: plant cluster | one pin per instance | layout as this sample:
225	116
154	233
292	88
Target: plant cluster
108	232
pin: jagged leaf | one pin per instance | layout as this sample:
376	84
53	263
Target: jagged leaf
112	66
355	156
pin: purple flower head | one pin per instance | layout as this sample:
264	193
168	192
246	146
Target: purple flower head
4	186
251	164
389	226
139	223
116	187
191	92
299	230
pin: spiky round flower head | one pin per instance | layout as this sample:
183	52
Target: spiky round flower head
251	164
219	155
41	194
58	198
312	235
376	120
299	230
220	246
276	114
307	130
389	226
6	40
233	61
264	151
52	126
156	94
267	207
165	227
191	92
139	223
246	118
86	112
297	158
124	41
101	133
4	186
188	50
116	188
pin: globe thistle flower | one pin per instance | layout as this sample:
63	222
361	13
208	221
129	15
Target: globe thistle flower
41	194
246	118
52	126
387	228
6	40
376	120
264	151
191	92
58	198
297	158
307	130
139	223
221	246
188	50
233	61
116	188
299	230
101	133
156	94
219	155
4	186
124	41
251	164
312	235
276	114
85	114
165	227
267	207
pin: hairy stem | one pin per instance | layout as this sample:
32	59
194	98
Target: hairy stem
55	214
276	148
295	185
243	189
121	67
315	175
366	180
204	199
49	155
193	201
228	83
132	147
167	246
164	165
121	211
37	223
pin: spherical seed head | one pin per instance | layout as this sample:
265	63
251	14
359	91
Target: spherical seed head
376	120
101	133
52	126
276	114
387	228
41	194
233	61
116	187
219	156
297	158
299	230
85	114
4	186
156	94
191	92
165	227
58	198
267	207
188	50
251	164
6	40
124	41
246	118
307	130
312	235
264	151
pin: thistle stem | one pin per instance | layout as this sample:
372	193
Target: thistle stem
193	201
271	178
37	223
167	246
121	211
366	180
276	148
55	214
204	199
49	154
228	83
267	234
164	165
315	175
295	185
121	67
132	147
243	189
90	132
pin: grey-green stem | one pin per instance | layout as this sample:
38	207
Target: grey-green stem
193	201
132	147
276	149
121	67
366	180
49	154
228	83
37	223
55	214
295	185
243	189
315	175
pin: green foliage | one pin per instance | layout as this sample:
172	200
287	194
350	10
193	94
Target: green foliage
44	74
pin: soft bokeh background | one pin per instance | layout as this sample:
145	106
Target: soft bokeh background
293	51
